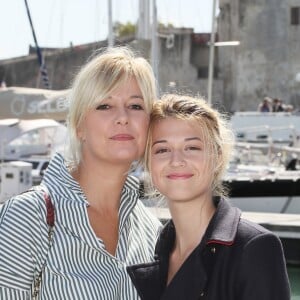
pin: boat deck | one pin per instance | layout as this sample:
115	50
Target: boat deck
284	225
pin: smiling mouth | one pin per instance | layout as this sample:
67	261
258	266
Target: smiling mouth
179	176
122	137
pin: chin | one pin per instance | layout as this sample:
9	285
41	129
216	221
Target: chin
126	159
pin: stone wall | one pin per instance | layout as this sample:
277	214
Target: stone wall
267	59
177	65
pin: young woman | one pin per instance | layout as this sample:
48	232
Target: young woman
100	225
207	251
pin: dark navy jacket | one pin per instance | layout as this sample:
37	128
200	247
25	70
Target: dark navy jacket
236	260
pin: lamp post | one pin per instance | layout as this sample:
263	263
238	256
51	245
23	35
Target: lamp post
212	44
154	43
211	54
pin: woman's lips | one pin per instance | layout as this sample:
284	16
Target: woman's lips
179	176
122	137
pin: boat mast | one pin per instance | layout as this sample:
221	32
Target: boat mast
110	25
43	68
154	46
144	30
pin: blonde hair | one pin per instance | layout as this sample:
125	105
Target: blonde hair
96	80
215	129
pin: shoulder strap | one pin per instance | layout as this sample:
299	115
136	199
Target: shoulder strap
50	218
50	209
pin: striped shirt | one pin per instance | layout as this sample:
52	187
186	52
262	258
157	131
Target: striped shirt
78	266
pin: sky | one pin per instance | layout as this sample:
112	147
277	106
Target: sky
58	23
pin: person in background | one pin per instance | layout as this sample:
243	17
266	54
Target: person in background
207	250
100	225
265	105
289	108
277	105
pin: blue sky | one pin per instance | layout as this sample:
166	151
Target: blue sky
57	23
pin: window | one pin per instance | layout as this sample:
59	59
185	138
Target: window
203	72
295	15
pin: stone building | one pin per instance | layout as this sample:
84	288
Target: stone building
267	61
62	64
182	60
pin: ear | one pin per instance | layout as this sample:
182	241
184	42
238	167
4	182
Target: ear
80	133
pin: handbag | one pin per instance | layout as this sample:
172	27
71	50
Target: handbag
36	285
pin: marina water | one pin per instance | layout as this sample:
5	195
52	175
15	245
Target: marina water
294	276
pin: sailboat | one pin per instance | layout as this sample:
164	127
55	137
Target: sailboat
30	103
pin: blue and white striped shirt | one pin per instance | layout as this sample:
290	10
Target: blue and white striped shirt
78	266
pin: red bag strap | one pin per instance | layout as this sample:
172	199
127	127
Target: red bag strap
50	209
36	285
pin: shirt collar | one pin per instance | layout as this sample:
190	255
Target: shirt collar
58	173
66	187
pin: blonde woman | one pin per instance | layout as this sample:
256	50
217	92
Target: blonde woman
207	251
100	226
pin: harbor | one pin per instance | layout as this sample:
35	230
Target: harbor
235	63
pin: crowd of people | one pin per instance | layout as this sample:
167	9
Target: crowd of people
274	105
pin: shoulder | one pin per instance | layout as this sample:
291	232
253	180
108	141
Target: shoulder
254	237
147	224
248	229
25	207
261	266
23	235
145	214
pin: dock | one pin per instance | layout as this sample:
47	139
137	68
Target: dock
285	226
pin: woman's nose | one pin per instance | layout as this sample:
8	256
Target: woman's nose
122	116
177	159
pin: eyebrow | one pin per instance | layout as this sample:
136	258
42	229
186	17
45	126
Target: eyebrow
137	96
130	97
186	140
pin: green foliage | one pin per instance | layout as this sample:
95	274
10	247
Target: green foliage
122	30
163	26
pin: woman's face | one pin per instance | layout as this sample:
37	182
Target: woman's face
115	130
180	162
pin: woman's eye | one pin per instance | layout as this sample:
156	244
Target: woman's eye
193	148
160	151
103	107
136	107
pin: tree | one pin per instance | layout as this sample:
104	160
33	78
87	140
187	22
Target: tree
164	26
122	30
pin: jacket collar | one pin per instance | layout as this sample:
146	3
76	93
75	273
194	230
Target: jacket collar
223	226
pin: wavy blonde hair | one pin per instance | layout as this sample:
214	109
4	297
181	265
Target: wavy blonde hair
215	129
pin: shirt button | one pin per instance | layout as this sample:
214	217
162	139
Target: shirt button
213	250
201	294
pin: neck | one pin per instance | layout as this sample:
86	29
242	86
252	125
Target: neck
190	220
102	185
